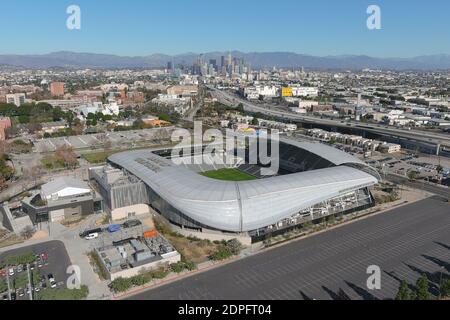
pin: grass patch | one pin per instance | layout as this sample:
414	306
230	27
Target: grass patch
10	241
191	249
95	261
228	175
98	157
70	222
63	294
14	260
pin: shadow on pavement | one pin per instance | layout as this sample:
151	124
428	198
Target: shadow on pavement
340	295
363	293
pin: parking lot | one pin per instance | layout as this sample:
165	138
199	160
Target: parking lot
406	243
106	237
95	141
44	269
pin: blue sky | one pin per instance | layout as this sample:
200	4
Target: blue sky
142	27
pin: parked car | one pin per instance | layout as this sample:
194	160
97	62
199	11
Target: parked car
114	228
88	232
43	282
19	268
91	236
21	292
131	224
13	296
52	281
11	271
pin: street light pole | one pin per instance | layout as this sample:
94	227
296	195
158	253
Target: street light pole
7	281
29	282
440	285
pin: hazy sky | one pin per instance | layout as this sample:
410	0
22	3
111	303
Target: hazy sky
142	27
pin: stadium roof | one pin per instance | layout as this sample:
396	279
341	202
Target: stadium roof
246	205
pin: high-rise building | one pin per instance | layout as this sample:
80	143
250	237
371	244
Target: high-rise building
229	60
213	62
170	66
57	89
222	62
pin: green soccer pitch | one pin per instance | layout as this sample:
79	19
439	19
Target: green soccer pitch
228	175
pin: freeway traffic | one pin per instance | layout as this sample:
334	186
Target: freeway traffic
434	138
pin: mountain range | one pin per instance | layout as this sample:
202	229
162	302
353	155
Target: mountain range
257	60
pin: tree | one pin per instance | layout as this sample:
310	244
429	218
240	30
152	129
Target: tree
121	285
3	184
12	132
445	289
404	293
69	117
412	175
422	292
105	141
33	127
28	232
65	156
235	246
24	119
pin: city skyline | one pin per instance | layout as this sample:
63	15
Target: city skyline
318	29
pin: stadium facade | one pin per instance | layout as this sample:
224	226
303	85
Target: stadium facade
314	180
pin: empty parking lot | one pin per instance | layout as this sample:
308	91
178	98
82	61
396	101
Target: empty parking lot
95	140
405	243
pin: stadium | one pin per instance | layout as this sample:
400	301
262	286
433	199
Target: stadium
314	181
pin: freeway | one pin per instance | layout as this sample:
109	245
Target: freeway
405	243
431	138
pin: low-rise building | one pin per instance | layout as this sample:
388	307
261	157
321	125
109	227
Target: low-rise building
60	199
5	123
16	98
133	256
390	148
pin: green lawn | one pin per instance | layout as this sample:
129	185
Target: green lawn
98	157
228	175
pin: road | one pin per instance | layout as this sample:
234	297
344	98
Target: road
441	191
405	243
432	138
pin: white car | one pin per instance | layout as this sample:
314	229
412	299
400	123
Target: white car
11	271
91	236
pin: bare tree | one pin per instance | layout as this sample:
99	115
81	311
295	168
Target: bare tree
28	232
65	155
105	141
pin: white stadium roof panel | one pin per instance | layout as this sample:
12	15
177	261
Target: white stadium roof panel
247	205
